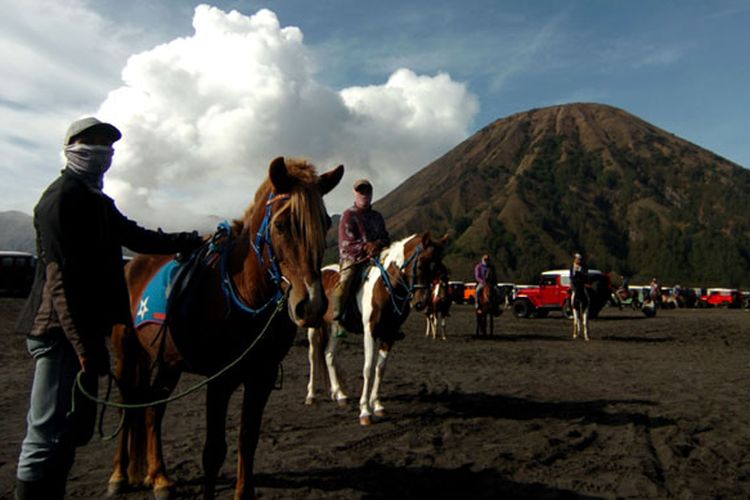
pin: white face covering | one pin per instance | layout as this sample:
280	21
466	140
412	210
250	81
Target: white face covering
89	162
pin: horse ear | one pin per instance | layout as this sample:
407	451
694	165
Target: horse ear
279	175
426	239
330	179
445	239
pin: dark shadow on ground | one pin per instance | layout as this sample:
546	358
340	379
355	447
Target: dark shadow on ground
482	405
376	480
524	337
643	340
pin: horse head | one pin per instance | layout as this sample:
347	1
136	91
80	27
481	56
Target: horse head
428	255
295	223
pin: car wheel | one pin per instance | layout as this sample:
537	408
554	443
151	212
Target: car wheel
521	308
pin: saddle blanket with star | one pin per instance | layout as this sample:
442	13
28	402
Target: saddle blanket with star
152	306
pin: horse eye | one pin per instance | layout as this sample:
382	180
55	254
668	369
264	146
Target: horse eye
280	226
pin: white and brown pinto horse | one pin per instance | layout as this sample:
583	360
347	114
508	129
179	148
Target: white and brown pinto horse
388	290
438	308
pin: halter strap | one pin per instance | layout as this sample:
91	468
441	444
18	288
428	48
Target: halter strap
262	239
410	287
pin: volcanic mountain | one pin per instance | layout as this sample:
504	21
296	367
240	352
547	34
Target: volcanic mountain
533	188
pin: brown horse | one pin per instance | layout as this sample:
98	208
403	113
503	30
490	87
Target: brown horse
488	306
400	279
276	252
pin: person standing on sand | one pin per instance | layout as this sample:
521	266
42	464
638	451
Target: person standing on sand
79	293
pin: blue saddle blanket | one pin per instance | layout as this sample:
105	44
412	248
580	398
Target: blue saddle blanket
152	306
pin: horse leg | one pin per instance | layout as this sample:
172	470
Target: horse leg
132	365
314	337
585	321
367	374
258	387
492	324
442	326
215	446
336	390
382	361
119	478
575	322
164	383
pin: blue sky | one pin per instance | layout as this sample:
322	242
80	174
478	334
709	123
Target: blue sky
684	66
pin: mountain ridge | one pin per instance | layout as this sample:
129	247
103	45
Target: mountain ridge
538	185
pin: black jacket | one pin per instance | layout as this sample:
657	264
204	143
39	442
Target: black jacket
80	285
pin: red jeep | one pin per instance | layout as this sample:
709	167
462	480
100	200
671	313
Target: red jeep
721	297
553	294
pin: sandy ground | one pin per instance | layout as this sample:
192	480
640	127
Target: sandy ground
650	408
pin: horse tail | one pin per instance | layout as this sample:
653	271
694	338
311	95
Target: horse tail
134	379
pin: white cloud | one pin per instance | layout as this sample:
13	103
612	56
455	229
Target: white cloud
203	115
59	60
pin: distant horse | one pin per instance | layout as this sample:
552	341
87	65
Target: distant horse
438	308
274	252
488	307
580	303
400	279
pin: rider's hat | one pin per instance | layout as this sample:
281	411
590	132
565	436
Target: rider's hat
359	184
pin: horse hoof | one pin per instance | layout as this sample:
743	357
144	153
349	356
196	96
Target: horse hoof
115	488
380	413
365	420
342	403
309	401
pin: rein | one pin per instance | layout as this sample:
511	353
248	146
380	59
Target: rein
410	287
262	241
280	305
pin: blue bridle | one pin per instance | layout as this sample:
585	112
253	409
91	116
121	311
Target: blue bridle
397	299
262	241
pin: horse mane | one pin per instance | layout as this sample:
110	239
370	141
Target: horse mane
308	213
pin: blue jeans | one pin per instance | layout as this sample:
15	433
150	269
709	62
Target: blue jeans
48	450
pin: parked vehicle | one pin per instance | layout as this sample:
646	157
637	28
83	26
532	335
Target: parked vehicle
506	292
553	294
722	297
456	291
470	292
16	273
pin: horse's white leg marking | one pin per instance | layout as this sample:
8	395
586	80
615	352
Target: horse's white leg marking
313	337
585	321
375	403
365	299
337	393
442	325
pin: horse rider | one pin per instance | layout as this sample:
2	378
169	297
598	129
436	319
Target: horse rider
579	274
655	291
485	275
79	293
362	236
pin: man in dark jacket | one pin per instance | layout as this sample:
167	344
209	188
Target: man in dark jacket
79	293
362	235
